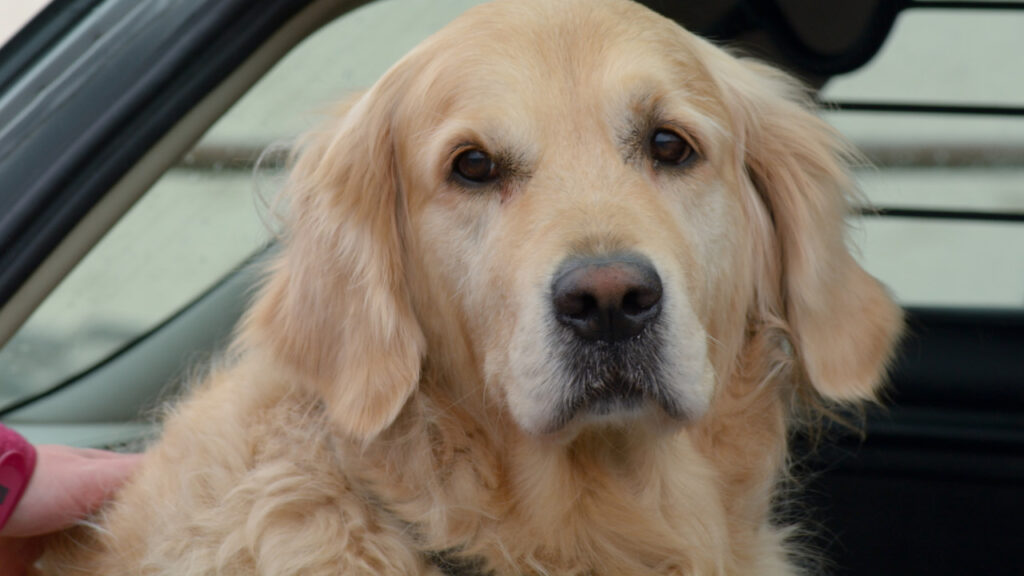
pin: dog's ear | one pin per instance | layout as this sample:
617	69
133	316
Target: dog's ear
843	323
335	308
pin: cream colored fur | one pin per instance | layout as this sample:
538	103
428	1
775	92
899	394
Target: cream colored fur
386	397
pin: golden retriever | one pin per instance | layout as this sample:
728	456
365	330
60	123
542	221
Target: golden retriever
553	291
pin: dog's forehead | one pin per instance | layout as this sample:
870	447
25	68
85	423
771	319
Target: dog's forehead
542	58
567	38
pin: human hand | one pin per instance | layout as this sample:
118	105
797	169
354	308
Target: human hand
68	484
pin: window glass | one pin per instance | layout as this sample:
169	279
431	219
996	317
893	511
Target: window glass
172	245
345	56
944	56
205	217
946	263
953	162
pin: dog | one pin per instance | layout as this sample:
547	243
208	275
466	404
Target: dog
553	293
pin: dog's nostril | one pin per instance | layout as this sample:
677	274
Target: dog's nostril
575	304
607	299
641	300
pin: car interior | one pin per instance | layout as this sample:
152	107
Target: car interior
141	146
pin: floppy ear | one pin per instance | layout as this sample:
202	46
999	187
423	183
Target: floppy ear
335	307
843	323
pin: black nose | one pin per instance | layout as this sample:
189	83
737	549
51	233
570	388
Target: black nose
607	299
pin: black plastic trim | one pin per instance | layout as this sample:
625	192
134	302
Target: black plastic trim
910	108
956	389
769	16
963	359
32	41
932	214
965	5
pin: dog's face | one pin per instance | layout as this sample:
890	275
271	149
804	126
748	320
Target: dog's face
586	204
574	206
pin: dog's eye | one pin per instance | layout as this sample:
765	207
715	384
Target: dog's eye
670	148
475	166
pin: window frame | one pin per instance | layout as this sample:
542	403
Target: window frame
51	189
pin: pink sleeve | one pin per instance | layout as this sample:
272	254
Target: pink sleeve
17	461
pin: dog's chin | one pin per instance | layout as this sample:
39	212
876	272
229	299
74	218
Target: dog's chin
629	417
622	407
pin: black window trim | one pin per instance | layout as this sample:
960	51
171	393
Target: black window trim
33	40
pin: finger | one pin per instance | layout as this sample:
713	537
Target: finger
103	477
65	488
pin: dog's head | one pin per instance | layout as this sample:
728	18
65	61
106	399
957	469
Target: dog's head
581	210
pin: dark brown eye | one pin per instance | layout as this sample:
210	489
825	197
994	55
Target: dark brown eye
475	166
670	148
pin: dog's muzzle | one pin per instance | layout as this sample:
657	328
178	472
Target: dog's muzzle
609	310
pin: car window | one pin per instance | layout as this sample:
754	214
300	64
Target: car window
207	215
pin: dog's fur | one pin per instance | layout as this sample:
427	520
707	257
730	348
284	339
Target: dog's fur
395	402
